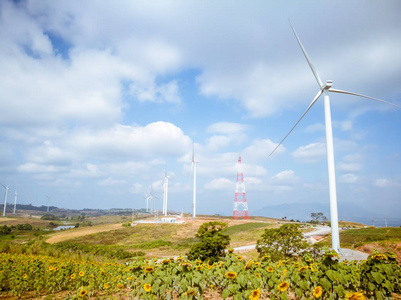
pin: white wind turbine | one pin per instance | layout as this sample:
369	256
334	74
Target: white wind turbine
48	202
165	193
194	162
325	89
5	199
149	198
15	200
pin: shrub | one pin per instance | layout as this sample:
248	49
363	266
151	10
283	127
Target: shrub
212	242
284	242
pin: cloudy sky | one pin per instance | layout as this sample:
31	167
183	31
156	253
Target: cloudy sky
100	98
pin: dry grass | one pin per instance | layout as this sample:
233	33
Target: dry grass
35	222
80	232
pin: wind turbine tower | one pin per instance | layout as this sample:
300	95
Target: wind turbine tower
194	162
15	200
48	202
165	193
325	89
5	199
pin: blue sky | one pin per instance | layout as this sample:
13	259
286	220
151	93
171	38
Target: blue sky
98	99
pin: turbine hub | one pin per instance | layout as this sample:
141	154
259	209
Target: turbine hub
328	85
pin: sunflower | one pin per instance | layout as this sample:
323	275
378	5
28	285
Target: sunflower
248	265
147	287
82	273
239	257
120	286
314	268
354	296
282	287
72	276
82	292
303	268
255	294
317	292
149	269
266	257
51	268
231	250
269	269
198	262
379	257
285	271
24	276
231	275
198	268
258	276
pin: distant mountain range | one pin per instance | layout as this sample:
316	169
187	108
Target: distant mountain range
302	211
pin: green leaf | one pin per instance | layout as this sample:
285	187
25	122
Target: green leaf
226	293
326	285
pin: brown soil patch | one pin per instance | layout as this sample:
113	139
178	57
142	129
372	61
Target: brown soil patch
382	247
78	232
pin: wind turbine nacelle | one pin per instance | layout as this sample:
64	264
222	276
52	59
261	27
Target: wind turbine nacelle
328	85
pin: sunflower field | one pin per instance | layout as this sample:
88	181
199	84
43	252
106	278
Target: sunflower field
378	277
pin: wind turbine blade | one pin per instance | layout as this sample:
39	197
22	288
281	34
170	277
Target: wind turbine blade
360	95
314	71
309	107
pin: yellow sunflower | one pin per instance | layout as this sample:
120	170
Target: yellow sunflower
120	286
269	269
82	273
282	287
82	292
317	292
149	269
198	268
51	268
239	257
147	287
379	256
24	276
354	296
231	250
106	285
248	265
255	294
72	276
303	268
231	275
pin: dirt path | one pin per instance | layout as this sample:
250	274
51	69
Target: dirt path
78	232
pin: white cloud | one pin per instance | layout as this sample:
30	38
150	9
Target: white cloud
111	182
349	178
311	153
259	150
386	183
222	184
286	177
227	128
315	128
350	163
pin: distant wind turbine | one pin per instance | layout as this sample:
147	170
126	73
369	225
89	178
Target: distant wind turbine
48	202
5	199
15	200
194	162
165	193
325	89
149	198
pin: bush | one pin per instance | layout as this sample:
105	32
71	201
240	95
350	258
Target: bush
284	242
212	242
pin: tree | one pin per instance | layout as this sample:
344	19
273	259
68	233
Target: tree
318	217
212	242
281	243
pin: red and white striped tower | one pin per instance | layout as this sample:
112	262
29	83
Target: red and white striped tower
240	204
